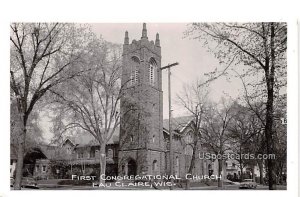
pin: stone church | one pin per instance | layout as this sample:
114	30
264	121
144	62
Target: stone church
141	145
142	148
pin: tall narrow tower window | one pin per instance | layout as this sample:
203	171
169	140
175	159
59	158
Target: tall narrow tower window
134	75
151	74
132	78
151	71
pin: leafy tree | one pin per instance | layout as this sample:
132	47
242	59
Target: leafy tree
245	136
194	99
90	102
259	50
215	131
43	55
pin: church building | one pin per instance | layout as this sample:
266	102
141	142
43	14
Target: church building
141	146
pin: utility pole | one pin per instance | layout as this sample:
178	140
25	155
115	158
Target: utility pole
170	115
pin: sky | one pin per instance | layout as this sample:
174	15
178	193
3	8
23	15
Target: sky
193	59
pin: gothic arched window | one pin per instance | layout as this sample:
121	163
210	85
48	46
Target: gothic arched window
151	70
134	75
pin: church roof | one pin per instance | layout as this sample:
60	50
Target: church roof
178	123
86	139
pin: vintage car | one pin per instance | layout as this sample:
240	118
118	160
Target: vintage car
248	183
26	182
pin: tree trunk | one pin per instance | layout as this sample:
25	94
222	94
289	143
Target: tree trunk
220	182
269	73
102	158
242	176
20	161
261	178
190	171
253	174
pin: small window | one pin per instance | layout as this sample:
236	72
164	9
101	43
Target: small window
44	168
110	153
80	155
153	138
154	165
92	152
123	169
177	161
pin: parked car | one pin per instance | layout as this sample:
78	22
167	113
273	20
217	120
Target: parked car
26	182
248	183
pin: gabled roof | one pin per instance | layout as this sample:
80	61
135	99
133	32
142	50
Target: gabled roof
87	139
67	140
179	124
51	152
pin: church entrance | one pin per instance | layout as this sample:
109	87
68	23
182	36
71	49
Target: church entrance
131	167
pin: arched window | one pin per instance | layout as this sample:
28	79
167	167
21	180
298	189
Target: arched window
154	165
151	74
153	138
189	138
134	76
177	165
152	70
188	150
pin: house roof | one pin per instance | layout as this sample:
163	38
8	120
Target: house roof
51	152
87	139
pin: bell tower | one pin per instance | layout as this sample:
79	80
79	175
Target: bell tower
142	149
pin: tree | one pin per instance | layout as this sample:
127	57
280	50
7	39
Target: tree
194	99
214	135
43	55
245	136
90	102
261	49
34	135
